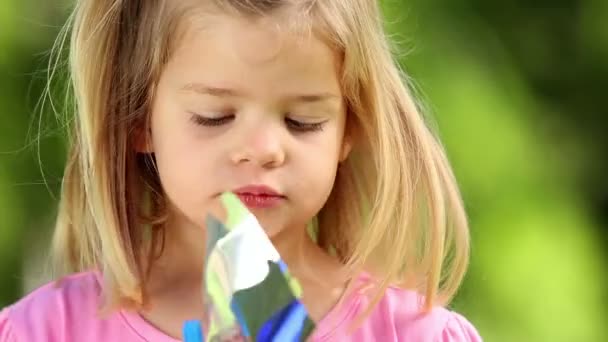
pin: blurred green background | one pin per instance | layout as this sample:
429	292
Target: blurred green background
517	90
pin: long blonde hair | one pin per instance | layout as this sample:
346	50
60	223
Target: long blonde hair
395	208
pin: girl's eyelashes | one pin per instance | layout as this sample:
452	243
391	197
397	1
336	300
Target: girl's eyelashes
304	127
211	121
292	124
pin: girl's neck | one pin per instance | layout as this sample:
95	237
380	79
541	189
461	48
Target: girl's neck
183	254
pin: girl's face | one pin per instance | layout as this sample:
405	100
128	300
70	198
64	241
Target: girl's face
246	108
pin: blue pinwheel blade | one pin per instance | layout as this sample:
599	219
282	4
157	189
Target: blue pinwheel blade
193	331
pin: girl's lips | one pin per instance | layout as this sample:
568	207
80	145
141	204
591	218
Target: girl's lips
259	196
259	201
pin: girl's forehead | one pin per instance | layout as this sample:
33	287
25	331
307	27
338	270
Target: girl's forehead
272	28
253	40
237	52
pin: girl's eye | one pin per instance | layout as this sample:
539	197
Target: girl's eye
211	122
303	127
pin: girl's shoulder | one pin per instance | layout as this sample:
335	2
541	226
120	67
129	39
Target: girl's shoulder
403	308
396	317
56	311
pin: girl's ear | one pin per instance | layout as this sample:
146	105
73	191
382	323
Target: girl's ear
347	145
142	139
348	139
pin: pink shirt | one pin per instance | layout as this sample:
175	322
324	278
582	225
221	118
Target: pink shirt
68	313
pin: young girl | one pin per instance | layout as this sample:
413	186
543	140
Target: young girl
296	106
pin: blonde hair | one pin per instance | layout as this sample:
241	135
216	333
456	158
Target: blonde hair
395	208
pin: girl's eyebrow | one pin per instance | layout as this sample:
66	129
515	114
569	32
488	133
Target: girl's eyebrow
204	89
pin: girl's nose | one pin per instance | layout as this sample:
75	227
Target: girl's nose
261	147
